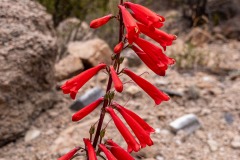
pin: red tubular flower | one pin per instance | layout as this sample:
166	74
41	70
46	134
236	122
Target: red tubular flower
74	84
118	48
150	89
119	152
108	154
130	24
159	70
69	155
141	134
86	110
90	149
138	119
145	15
116	81
100	21
154	52
132	143
159	36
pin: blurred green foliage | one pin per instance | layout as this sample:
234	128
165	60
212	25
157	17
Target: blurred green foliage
62	9
85	10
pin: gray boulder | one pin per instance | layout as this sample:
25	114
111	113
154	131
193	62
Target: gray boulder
27	55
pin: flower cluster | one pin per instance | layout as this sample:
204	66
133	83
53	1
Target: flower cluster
135	20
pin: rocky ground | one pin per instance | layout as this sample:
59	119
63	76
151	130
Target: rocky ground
213	98
205	82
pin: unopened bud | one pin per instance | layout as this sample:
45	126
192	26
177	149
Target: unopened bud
121	60
100	21
106	96
102	133
92	130
113	56
111	95
118	48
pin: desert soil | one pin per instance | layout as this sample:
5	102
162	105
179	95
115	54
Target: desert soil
214	98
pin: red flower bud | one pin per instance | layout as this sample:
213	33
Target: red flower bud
144	125
119	152
132	143
118	48
69	155
145	15
108	154
159	36
154	52
86	110
159	70
141	134
74	84
130	24
150	89
116	81
90	149
100	21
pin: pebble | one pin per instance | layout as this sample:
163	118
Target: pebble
31	135
180	158
216	91
235	144
213	145
200	134
159	158
161	82
87	98
208	79
193	93
228	117
194	110
172	93
160	115
133	90
205	112
49	132
226	140
157	130
165	132
53	113
189	123
162	131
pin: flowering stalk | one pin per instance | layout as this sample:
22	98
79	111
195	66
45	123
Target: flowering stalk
140	20
102	115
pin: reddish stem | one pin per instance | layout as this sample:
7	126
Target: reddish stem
105	103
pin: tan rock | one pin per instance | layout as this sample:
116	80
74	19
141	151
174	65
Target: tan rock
31	135
67	67
236	142
91	52
213	145
133	90
69	30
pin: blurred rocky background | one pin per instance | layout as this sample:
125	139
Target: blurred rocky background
45	42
